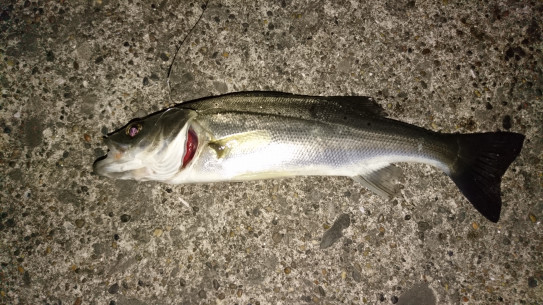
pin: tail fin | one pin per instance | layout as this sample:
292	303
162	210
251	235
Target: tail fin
481	161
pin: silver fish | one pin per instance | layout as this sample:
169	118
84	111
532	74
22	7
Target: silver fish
261	135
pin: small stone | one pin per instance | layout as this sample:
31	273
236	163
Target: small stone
394	299
532	217
182	283
475	226
220	296
10	223
306	299
357	277
80	223
321	291
125	218
202	294
158	232
407	217
113	289
216	284
4	16
465	299
506	122
239	293
277	237
532	282
164	57
146	81
87	137
287	270
27	281
50	56
423	226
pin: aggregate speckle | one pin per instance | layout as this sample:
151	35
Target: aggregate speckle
73	71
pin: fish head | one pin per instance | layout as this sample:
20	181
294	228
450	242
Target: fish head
150	148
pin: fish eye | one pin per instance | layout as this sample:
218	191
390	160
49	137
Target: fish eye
133	129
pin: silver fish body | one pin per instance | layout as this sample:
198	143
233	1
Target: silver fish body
260	135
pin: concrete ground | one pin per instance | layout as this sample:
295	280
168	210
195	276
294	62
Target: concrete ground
72	71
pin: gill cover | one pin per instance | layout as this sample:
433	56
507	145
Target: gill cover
150	148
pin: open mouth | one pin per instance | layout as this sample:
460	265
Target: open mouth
102	165
112	163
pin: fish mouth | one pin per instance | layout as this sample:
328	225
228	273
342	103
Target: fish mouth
118	163
112	165
103	166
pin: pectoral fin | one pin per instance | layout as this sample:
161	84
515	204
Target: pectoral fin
242	142
381	181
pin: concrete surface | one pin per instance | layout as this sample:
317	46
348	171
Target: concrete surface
71	71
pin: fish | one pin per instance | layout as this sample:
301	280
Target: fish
263	135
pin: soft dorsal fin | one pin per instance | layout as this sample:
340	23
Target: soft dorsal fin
359	104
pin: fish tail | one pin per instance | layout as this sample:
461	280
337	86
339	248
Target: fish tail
480	163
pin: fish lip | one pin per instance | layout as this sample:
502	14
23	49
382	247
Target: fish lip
99	167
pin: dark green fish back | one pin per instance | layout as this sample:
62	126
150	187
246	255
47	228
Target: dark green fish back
334	109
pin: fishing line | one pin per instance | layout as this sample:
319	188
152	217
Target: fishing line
204	7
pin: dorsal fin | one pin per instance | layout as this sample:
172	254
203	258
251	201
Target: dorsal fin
359	104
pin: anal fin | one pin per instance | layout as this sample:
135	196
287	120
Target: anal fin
381	181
